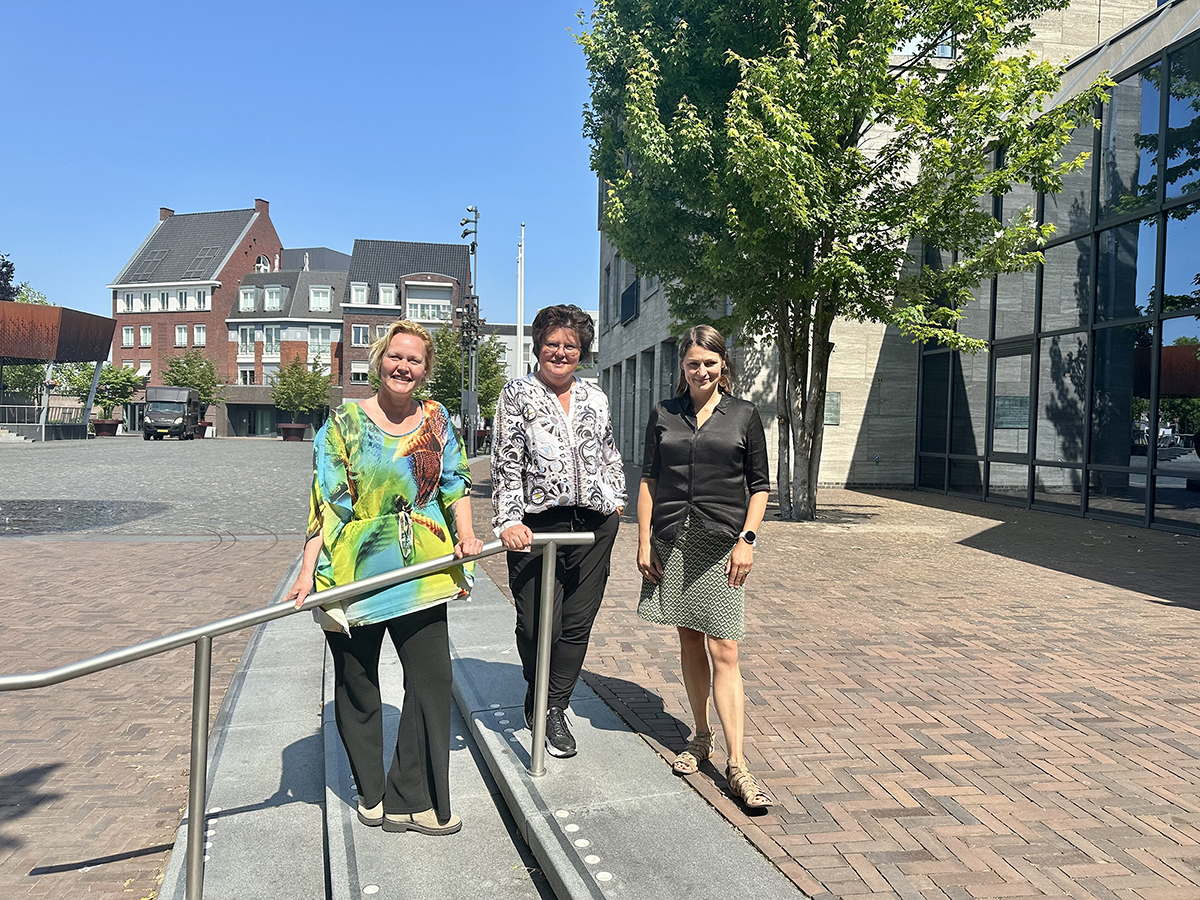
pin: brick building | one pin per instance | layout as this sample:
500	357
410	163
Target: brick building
182	282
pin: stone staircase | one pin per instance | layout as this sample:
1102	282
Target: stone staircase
9	437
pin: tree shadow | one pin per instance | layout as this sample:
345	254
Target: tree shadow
641	709
20	794
28	517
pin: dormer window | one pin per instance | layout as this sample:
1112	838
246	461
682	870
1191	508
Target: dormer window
318	299
272	300
246	300
358	293
387	295
262	264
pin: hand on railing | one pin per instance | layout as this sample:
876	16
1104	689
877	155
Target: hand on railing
471	546
299	590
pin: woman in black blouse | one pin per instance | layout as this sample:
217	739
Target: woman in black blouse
701	501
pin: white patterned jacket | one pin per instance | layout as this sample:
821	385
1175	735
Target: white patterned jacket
543	457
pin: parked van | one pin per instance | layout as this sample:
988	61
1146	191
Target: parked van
171	411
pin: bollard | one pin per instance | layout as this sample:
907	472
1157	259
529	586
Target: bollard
541	689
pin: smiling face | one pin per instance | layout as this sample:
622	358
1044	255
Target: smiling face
558	357
701	369
403	367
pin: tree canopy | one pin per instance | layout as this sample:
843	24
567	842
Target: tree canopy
192	369
117	386
787	156
445	384
8	290
298	388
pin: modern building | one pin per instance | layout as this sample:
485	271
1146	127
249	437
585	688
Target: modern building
884	399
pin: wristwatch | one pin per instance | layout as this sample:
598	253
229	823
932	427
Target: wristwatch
749	537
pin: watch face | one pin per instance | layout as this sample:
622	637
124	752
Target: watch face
750	537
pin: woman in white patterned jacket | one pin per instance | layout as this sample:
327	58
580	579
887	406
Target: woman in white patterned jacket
555	468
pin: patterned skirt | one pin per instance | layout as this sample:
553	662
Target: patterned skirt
694	590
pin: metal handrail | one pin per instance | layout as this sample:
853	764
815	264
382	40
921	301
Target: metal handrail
202	635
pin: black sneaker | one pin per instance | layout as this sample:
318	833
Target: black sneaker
559	741
529	708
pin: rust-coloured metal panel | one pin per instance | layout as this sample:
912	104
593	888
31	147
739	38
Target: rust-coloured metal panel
33	333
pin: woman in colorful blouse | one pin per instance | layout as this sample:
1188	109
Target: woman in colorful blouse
389	474
555	468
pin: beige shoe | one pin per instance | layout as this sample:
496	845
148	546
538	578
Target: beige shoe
425	822
372	816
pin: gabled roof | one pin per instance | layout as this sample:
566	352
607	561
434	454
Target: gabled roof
294	303
186	247
389	262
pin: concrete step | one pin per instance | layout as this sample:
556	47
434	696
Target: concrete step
7	436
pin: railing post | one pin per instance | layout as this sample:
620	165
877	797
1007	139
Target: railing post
541	685
198	783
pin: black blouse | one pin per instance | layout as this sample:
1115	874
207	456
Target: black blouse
709	471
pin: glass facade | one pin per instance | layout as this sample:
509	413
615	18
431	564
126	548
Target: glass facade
1088	399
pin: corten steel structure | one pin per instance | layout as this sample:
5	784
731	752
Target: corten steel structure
31	333
1088	401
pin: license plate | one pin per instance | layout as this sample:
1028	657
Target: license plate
163	430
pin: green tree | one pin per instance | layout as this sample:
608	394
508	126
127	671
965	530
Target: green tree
769	152
299	389
445	384
194	370
8	290
117	386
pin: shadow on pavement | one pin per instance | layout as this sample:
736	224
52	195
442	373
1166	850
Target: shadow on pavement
21	794
59	868
641	709
1158	563
21	517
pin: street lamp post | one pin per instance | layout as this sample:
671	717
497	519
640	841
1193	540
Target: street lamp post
470	337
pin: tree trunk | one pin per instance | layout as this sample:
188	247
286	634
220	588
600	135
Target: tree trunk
784	349
809	431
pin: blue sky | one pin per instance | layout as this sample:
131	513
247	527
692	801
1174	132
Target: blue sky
356	120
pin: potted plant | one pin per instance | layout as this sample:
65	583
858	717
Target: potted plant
299	389
193	370
115	388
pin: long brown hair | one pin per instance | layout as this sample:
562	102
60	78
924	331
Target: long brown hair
707	338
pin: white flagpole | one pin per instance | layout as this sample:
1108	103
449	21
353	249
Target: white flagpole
521	304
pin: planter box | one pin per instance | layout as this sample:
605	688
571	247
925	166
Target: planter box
292	431
105	427
202	429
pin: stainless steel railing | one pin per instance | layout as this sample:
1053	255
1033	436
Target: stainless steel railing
201	637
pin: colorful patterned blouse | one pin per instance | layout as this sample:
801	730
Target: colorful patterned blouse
381	501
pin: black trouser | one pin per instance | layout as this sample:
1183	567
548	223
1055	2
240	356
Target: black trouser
580	575
419	777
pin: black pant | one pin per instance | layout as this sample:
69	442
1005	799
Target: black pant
580	575
419	776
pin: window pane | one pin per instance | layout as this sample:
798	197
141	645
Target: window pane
1181	265
968	419
1117	493
1121	395
1008	480
1129	145
976	317
1071	210
1057	487
1010	417
1177	501
933	472
935	389
1014	304
1179	397
1183	123
1067	285
966	476
1062	397
1125	277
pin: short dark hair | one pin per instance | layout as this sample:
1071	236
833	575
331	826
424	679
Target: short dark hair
566	315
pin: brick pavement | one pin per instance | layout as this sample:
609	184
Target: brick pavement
93	773
949	699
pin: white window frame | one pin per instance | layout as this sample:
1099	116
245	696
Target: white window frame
246	300
243	371
164	301
273	298
262	264
201	299
359	292
127	364
381	331
180	335
360	372
127	335
387	294
199	335
272	348
356	340
147	303
244	348
128	303
146	337
317	303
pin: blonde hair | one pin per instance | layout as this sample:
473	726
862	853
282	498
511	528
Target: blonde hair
401	326
706	338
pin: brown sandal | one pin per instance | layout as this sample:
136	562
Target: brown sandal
699	749
746	789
